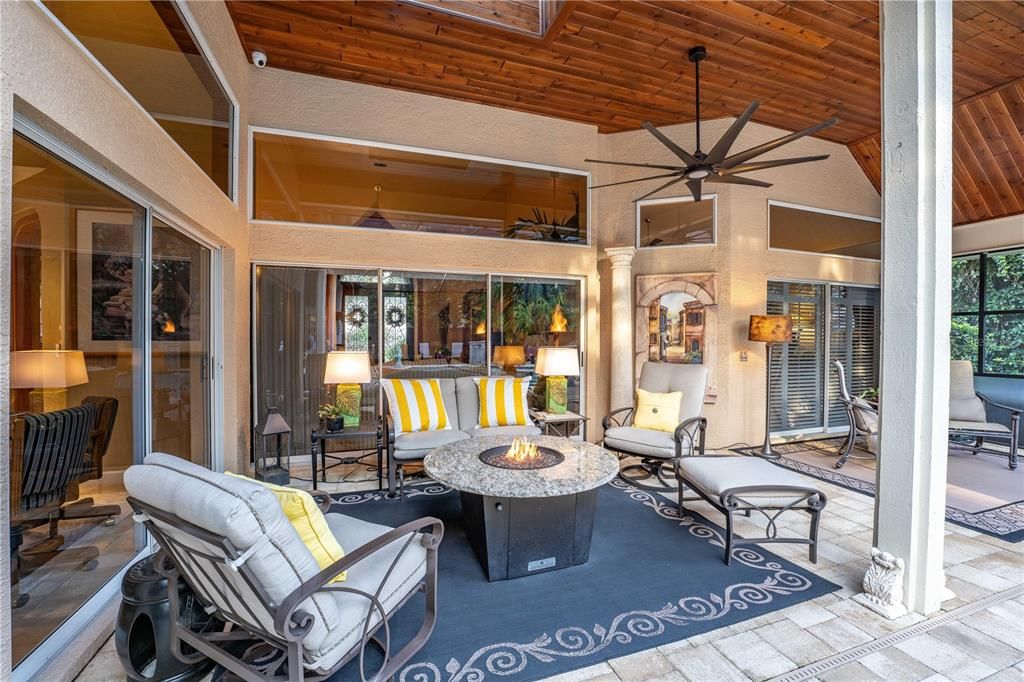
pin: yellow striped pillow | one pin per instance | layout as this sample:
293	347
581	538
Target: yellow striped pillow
416	405
503	402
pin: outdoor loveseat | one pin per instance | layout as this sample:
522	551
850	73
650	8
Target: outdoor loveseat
229	539
462	403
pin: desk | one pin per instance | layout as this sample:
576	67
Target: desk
319	438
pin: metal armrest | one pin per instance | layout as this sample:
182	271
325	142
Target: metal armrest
609	420
295	623
1013	410
686	429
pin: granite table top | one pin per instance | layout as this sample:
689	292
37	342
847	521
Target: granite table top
586	466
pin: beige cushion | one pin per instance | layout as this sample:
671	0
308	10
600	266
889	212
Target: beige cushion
416	445
667	377
714	475
865	416
366	576
503	431
978	426
964	403
630	439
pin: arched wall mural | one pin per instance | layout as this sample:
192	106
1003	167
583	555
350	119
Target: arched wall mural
690	334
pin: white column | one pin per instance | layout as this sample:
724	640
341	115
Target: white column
621	361
917	131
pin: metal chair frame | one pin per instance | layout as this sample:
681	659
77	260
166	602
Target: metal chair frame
176	561
845	452
979	436
690	432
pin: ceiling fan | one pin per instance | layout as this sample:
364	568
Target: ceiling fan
716	166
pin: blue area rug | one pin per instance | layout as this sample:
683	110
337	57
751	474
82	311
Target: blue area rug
652	578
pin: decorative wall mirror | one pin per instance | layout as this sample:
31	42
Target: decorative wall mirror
677	321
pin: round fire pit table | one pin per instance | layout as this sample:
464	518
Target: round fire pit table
522	521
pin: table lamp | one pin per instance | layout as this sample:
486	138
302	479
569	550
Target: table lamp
507	357
48	373
348	369
556	364
769	329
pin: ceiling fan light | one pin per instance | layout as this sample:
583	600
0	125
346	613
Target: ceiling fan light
698	174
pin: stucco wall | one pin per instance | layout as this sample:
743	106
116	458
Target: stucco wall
989	235
45	77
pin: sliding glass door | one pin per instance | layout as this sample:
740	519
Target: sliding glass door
96	282
830	322
411	324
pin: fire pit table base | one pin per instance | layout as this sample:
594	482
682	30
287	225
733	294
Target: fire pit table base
518	536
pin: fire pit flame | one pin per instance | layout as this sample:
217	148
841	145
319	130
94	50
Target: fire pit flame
521	454
522	451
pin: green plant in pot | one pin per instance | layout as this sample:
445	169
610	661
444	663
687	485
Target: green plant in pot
333	415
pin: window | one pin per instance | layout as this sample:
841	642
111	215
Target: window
830	322
353	184
678	221
799	228
528	313
988	312
150	50
77	312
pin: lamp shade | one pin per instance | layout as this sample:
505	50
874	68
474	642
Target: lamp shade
771	328
506	356
558	362
275	424
347	367
48	369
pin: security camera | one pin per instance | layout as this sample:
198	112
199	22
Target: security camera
259	59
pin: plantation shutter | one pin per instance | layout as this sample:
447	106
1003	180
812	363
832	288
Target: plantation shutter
797	371
854	318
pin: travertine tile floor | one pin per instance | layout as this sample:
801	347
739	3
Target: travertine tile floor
985	645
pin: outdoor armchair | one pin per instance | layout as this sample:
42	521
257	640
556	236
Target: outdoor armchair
969	426
230	541
659	450
863	419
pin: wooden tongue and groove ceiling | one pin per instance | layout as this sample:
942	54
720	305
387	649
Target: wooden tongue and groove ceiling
617	64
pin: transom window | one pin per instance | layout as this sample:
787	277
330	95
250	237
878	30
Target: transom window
988	312
349	183
150	50
676	221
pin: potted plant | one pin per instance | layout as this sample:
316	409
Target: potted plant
333	416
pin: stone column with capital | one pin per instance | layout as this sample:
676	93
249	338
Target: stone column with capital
621	361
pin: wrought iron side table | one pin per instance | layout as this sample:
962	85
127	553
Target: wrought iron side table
366	429
565	425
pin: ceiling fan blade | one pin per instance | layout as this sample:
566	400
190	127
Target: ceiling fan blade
694	187
686	156
761	165
626	182
666	185
635	165
721	148
736	180
737	159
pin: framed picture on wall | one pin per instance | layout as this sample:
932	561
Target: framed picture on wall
106	272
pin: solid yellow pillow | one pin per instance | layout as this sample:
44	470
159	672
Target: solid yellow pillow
657	411
308	521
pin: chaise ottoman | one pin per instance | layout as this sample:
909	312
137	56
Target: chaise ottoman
748	484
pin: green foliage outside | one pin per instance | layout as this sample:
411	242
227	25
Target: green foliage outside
1004	332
